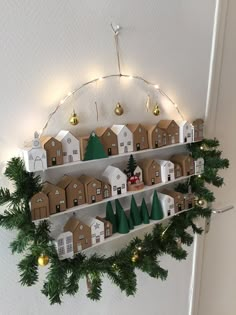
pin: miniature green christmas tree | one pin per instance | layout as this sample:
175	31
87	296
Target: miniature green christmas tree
144	212
134	212
94	149
110	216
122	221
132	164
156	212
131	223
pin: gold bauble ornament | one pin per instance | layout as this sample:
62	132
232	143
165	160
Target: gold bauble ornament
74	120
134	258
118	110
156	110
43	260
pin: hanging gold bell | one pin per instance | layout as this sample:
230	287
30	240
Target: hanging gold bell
118	109
74	120
156	110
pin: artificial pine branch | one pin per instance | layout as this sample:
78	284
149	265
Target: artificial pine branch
64	276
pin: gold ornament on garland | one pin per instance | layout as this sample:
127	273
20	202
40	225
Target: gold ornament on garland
74	120
43	260
134	258
118	110
156	110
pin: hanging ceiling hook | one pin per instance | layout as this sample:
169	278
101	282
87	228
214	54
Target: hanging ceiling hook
115	29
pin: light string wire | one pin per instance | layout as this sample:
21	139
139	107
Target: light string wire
116	75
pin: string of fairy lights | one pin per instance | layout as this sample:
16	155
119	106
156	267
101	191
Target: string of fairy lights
118	109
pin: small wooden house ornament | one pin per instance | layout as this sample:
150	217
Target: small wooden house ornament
124	138
167	171
172	131
198	126
168	204
117	179
189	199
39	206
54	151
140	137
64	245
178	170
35	157
151	172
56	196
107	226
199	166
108	139
83	145
70	146
75	195
179	199
106	190
97	229
156	136
92	188
186	162
81	234
185	132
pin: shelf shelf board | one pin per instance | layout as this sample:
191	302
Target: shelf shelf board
128	194
115	157
140	227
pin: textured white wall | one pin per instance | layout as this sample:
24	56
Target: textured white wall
51	47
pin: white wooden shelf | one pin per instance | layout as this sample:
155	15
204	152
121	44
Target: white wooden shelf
113	158
137	228
128	194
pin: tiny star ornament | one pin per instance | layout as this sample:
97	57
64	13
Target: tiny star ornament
118	110
43	260
74	120
156	110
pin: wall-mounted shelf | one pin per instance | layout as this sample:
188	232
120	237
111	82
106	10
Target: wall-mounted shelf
137	228
114	158
128	194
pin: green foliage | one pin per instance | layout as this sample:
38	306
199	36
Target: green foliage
64	276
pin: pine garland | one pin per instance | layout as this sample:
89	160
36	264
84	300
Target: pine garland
143	254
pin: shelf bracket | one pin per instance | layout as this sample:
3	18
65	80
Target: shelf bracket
216	211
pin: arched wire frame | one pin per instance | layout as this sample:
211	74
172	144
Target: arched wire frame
116	31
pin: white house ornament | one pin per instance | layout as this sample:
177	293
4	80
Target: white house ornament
35	157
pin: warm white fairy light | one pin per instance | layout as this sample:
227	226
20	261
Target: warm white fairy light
116	29
134	77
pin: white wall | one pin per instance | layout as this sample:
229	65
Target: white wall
219	276
51	47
